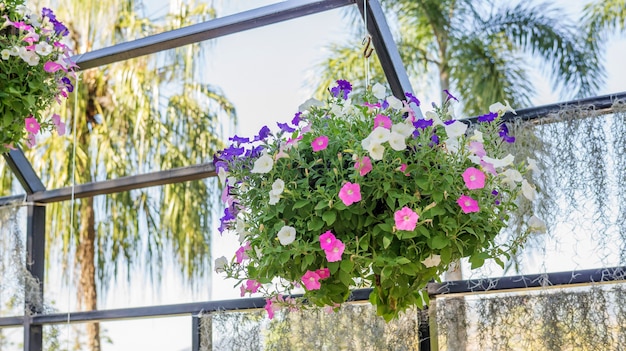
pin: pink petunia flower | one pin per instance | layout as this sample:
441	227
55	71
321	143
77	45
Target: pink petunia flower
364	166
403	168
56	120
241	253
350	193
406	219
320	143
333	254
270	308
311	280
32	126
382	121
477	148
326	240
474	178
31	140
488	167
468	204
323	273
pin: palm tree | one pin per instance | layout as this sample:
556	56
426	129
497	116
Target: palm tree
604	17
479	50
135	116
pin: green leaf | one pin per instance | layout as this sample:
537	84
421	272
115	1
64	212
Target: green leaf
320	205
300	204
315	224
439	242
402	260
347	265
333	267
386	241
329	217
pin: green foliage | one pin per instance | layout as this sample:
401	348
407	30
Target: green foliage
424	176
27	89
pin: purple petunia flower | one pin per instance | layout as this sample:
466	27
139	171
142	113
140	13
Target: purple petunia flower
220	164
46	12
423	123
285	127
384	105
450	96
296	119
496	194
255	152
232	152
434	140
68	84
504	134
239	140
412	99
449	122
59	28
343	86
263	133
490	117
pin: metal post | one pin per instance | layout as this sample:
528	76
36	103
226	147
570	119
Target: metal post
35	264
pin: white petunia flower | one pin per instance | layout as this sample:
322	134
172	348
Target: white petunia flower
536	225
478	136
379	135
432	261
528	190
376	151
278	187
240	228
404	128
5	54
455	129
475	159
286	235
499	163
394	102
221	175
379	91
274	199
500	108
263	164
431	115
397	141
452	145
532	166
511	176
43	49
220	264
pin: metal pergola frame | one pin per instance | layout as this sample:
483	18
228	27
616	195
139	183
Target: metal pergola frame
37	196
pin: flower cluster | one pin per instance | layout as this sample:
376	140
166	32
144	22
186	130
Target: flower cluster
366	194
35	69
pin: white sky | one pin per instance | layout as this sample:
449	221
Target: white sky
263	72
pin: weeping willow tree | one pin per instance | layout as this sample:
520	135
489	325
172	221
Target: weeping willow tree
145	114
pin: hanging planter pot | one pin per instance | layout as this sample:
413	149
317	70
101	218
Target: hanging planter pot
360	192
35	70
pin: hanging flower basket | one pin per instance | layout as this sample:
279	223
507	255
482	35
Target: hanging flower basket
35	70
359	192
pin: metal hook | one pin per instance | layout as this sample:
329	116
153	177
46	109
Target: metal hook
368	49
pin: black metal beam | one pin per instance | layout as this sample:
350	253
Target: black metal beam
35	264
12	200
386	49
598	103
207	30
196	337
23	170
528	281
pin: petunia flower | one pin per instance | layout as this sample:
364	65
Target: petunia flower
405	128
263	164
350	193
242	253
406	219
333	254
397	141
536	225
412	99
498	107
379	135
270	308
364	166
449	96
286	235
311	280
323	273
394	102
474	178
379	91
487	118
320	143
220	264
432	261
382	121
528	190
32	126
455	129
468	205
326	240
477	148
